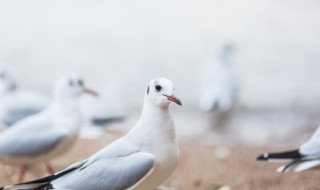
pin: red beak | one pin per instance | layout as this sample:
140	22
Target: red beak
90	91
173	99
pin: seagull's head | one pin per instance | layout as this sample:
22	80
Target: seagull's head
7	80
71	85
224	49
160	92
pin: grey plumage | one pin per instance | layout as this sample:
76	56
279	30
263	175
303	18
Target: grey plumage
306	157
107	169
38	137
17	103
119	173
105	121
14	116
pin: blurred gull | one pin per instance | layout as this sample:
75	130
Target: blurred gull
142	160
17	103
218	85
306	157
48	134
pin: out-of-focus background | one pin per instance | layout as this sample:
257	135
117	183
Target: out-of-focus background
118	46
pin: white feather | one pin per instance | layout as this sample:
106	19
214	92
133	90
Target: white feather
305	165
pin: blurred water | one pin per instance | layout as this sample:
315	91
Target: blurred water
120	45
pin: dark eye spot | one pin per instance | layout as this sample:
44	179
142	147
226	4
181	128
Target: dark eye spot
80	82
158	88
71	83
148	90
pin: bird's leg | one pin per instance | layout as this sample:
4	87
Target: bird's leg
22	171
49	168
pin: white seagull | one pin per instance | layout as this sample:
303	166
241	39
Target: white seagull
17	103
218	84
48	134
141	160
305	157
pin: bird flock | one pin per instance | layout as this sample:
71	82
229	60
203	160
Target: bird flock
142	159
37	129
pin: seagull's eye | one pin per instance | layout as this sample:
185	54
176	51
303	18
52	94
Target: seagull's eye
158	88
71	83
80	82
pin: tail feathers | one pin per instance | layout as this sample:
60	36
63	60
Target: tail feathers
289	155
306	165
35	186
299	166
105	121
289	166
39	184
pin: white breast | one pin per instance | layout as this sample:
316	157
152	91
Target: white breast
166	161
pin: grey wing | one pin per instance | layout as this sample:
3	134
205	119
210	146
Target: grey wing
29	141
22	104
116	173
16	115
44	183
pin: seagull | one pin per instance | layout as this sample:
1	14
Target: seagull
48	134
305	157
141	160
17	103
218	84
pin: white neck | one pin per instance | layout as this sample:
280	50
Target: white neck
66	114
155	124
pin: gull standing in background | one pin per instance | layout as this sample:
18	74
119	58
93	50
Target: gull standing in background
218	84
17	103
141	160
303	158
219	88
48	134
